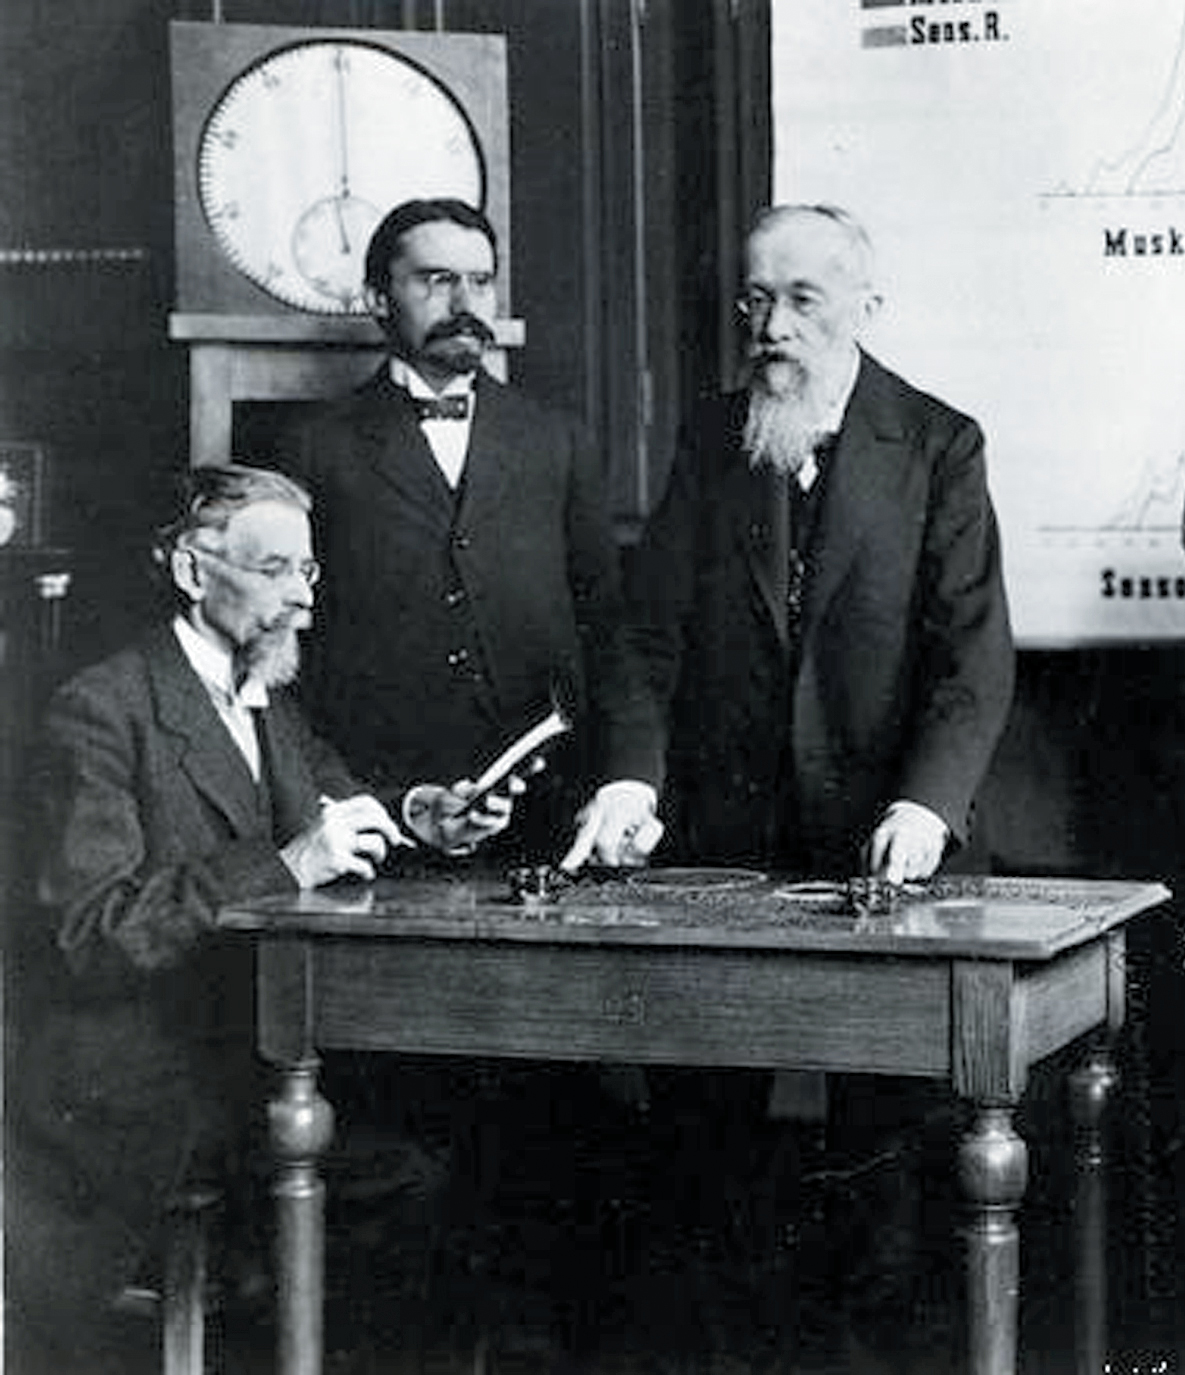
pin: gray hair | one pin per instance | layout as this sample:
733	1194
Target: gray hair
212	494
860	251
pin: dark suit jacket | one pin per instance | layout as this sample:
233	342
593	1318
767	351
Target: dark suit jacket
901	679
133	1015
447	618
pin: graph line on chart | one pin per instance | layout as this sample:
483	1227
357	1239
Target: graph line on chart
1155	164
1152	508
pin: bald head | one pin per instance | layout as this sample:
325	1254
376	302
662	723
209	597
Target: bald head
840	238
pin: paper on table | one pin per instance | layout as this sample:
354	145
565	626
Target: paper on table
526	745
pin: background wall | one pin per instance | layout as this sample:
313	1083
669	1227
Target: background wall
639	147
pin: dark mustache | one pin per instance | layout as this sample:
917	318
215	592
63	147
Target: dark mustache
461	324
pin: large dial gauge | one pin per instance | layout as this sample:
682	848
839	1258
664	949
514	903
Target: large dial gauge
307	149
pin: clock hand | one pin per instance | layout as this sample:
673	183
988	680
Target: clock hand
339	63
341	224
343	141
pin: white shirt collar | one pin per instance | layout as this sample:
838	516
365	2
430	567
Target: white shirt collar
404	375
448	439
215	666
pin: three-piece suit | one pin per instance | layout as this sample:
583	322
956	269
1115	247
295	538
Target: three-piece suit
790	729
450	619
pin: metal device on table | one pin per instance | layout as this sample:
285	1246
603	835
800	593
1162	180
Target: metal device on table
541	885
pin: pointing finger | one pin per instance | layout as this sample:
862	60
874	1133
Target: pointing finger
581	847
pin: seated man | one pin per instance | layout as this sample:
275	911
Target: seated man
172	777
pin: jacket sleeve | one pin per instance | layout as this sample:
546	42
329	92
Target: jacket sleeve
965	668
123	900
660	586
329	774
624	715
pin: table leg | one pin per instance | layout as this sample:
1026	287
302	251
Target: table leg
993	1172
1090	1089
300	1128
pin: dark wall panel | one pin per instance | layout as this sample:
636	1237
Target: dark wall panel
547	61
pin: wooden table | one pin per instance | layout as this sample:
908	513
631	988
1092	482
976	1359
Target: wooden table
968	980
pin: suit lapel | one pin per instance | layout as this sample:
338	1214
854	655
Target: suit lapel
495	452
764	536
206	754
391	442
862	484
754	503
293	790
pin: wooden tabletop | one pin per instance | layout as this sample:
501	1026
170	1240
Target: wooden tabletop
956	917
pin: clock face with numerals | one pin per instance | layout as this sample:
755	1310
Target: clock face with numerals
308	148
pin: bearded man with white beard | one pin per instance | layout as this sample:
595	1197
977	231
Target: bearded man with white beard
172	777
818	599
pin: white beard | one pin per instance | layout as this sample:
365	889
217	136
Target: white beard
782	427
272	658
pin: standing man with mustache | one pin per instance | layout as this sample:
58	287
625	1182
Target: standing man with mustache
819	598
471	572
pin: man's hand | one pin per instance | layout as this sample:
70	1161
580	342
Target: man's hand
618	826
907	844
349	837
448	819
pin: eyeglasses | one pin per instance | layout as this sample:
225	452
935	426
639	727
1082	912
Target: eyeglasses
439	283
756	303
272	570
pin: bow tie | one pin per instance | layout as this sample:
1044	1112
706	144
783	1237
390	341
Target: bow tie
441	407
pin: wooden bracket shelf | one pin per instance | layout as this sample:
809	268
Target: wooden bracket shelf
283	358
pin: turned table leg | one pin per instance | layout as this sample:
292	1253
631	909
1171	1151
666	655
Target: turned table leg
1090	1090
993	1172
300	1126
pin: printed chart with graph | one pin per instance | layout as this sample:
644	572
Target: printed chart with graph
1021	168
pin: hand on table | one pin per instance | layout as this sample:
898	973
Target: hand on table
351	836
908	843
619	827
